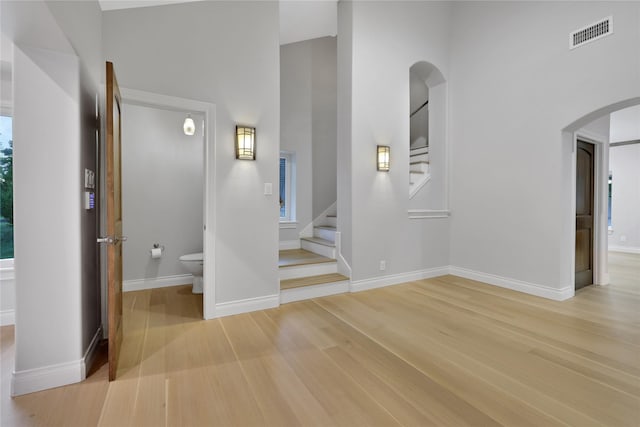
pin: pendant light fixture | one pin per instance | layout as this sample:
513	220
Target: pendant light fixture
189	126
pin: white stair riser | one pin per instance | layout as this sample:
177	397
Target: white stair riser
323	233
319	249
308	270
420	158
316	291
331	221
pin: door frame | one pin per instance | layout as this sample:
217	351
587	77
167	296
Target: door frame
601	174
154	100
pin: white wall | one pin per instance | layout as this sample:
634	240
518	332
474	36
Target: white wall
57	303
624	164
162	190
344	124
625	124
511	98
308	105
6	97
226	53
46	210
296	127
384	41
324	87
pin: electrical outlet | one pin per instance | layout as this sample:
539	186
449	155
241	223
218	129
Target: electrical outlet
383	265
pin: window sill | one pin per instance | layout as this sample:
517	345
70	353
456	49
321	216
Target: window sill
288	224
6	263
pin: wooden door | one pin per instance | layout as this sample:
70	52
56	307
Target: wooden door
584	214
114	237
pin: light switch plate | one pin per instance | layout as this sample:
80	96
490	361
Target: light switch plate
268	188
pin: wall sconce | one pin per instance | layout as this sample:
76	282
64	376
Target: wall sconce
383	157
245	143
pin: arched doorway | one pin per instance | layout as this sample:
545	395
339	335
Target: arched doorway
590	254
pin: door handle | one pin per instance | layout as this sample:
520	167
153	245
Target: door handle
111	240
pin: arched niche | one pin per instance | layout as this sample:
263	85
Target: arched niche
427	121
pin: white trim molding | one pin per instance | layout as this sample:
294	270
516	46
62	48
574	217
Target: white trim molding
7	317
514	284
289	244
288	225
428	213
156	282
395	279
343	266
7	292
246	305
90	354
32	380
625	249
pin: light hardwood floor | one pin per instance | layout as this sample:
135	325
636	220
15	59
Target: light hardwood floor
445	351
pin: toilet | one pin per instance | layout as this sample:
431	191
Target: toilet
193	264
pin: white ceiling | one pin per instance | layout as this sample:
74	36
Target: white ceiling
299	19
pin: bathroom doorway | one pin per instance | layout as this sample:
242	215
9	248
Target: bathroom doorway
166	200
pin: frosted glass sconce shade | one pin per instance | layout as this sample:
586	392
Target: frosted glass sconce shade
189	126
245	143
383	158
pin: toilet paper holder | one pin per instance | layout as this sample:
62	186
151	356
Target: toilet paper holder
156	246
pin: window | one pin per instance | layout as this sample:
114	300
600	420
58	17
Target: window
287	187
6	187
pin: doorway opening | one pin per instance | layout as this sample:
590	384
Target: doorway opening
598	130
168	193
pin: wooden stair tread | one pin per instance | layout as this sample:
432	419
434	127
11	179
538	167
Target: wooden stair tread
419	162
326	227
312	281
419	172
297	257
332	216
319	241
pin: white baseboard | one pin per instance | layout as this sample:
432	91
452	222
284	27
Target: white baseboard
625	249
289	244
246	305
32	380
379	282
317	291
7	317
90	354
156	282
514	284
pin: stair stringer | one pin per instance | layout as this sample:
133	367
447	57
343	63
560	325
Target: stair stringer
343	266
307	231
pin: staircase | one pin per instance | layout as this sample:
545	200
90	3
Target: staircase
418	169
312	270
